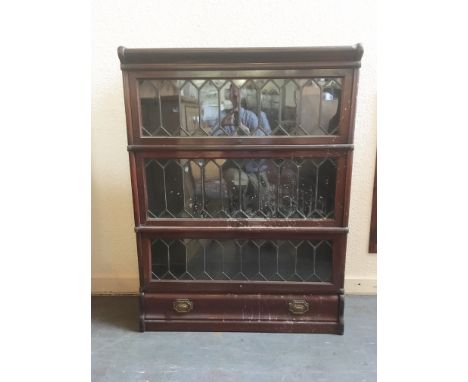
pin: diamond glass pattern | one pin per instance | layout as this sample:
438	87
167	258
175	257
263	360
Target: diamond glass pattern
248	260
195	107
301	188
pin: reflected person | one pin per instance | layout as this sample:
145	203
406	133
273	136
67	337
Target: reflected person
240	121
248	185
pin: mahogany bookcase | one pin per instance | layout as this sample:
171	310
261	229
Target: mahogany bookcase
240	163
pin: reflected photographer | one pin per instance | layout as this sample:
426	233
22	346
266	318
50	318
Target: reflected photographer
239	120
248	185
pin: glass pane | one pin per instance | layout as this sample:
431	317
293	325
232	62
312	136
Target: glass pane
309	109
236	107
189	110
302	188
330	104
270	104
249	260
209	107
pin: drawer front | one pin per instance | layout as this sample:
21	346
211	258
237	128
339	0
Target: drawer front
245	308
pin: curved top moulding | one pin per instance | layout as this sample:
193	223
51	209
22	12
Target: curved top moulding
237	58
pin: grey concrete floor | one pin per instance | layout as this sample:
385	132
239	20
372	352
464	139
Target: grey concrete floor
121	353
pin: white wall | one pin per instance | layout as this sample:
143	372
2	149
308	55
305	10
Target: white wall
175	23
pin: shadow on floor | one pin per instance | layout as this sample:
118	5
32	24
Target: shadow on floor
119	312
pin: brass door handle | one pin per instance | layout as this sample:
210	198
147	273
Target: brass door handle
182	305
298	306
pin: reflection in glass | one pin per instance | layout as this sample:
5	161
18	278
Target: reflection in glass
187	107
233	107
270	103
249	260
301	188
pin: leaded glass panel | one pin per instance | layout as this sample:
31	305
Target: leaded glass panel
301	188
234	107
247	260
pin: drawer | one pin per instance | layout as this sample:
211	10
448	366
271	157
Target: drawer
253	309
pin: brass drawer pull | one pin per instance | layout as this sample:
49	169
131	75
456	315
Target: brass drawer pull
182	305
298	306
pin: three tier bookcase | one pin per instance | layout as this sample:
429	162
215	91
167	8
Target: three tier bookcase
240	163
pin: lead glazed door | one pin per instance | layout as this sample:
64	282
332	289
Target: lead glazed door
240	164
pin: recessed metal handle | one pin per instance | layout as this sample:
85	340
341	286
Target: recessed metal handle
182	305
298	306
